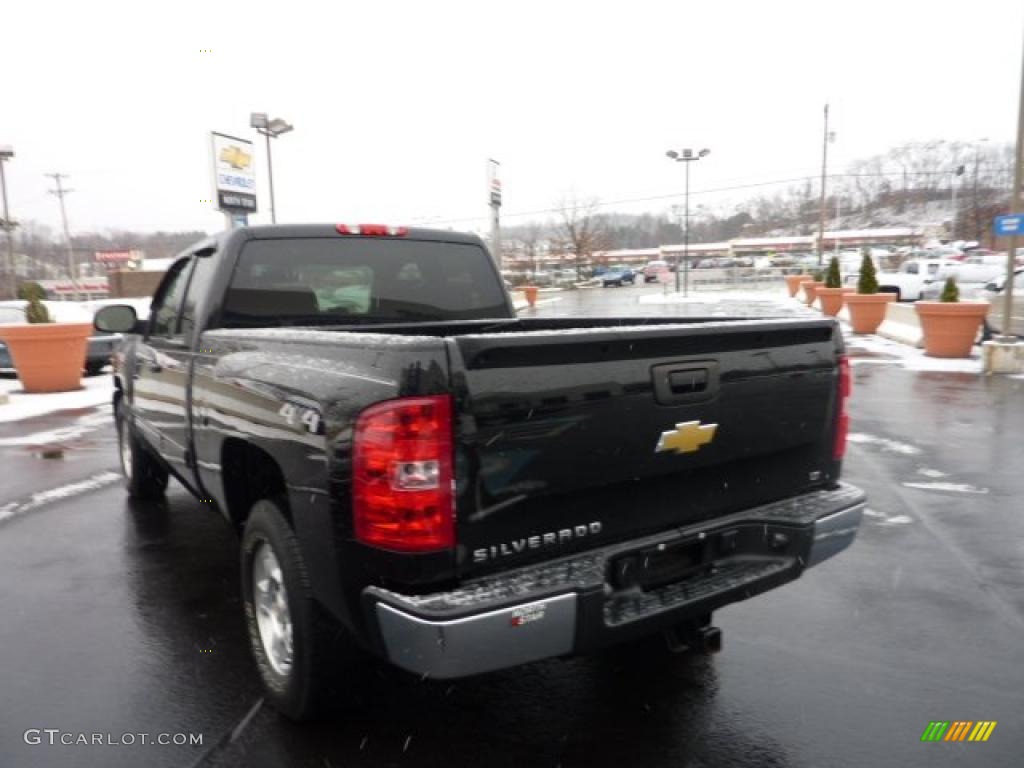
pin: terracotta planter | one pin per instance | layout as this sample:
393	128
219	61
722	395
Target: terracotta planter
793	282
49	357
531	294
867	310
950	328
831	300
810	288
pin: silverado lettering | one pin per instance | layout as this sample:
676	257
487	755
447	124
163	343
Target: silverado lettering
550	539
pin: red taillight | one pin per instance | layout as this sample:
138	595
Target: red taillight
845	386
371	230
402	475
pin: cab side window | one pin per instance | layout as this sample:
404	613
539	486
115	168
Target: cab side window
168	302
202	277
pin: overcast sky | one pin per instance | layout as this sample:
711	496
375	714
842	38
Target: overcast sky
397	106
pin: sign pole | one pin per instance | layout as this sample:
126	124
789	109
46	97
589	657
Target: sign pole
495	196
1015	207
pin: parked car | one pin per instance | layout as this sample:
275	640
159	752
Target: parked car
654	270
99	350
970	276
994	293
432	480
617	276
911	278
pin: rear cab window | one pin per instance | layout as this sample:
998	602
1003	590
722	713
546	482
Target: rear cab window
323	281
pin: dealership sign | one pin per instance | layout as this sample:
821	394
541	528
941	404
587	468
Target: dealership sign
234	178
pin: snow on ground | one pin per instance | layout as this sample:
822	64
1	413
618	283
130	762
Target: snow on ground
908	357
951	487
97	390
772	296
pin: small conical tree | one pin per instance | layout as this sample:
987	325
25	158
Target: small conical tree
832	278
867	282
36	311
950	292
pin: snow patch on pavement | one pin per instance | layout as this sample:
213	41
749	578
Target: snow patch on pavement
883	519
97	390
893	446
81	426
931	472
909	358
42	498
950	487
897	520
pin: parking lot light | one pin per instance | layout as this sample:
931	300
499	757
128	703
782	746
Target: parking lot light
686	156
271	129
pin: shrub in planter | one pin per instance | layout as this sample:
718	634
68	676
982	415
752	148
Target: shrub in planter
793	282
831	294
867	307
950	326
48	356
810	287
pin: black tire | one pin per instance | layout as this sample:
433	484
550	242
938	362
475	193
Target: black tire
94	369
319	650
144	476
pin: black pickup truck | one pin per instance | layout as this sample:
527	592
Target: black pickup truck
417	472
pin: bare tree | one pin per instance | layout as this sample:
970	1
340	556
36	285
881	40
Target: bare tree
532	239
579	230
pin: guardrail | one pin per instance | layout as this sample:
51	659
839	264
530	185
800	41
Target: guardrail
735	277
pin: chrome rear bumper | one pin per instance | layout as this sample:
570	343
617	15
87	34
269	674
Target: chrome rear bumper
568	605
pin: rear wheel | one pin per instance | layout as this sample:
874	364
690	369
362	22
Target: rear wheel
144	477
298	650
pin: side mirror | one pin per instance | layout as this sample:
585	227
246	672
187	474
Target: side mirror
116	318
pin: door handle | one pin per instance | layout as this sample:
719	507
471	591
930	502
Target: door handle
690	382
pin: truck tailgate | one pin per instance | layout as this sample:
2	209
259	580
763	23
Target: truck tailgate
570	438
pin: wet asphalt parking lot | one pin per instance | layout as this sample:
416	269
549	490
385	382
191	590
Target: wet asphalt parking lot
120	618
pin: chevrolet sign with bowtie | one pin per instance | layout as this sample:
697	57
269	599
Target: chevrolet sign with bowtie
687	437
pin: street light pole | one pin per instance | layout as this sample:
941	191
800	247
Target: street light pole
686	239
1015	207
6	153
270	129
270	180
686	156
821	207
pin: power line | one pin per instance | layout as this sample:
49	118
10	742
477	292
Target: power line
713	190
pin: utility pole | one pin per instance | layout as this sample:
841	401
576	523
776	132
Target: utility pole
821	207
957	172
60	192
6	153
1016	197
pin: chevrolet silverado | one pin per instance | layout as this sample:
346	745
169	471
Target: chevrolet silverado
419	473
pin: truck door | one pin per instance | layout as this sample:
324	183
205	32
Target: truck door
162	370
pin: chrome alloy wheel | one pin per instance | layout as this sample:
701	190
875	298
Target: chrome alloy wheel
272	615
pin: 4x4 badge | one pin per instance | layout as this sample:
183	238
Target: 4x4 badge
687	437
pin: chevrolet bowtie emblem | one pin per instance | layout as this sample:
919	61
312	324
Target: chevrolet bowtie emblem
236	157
687	437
